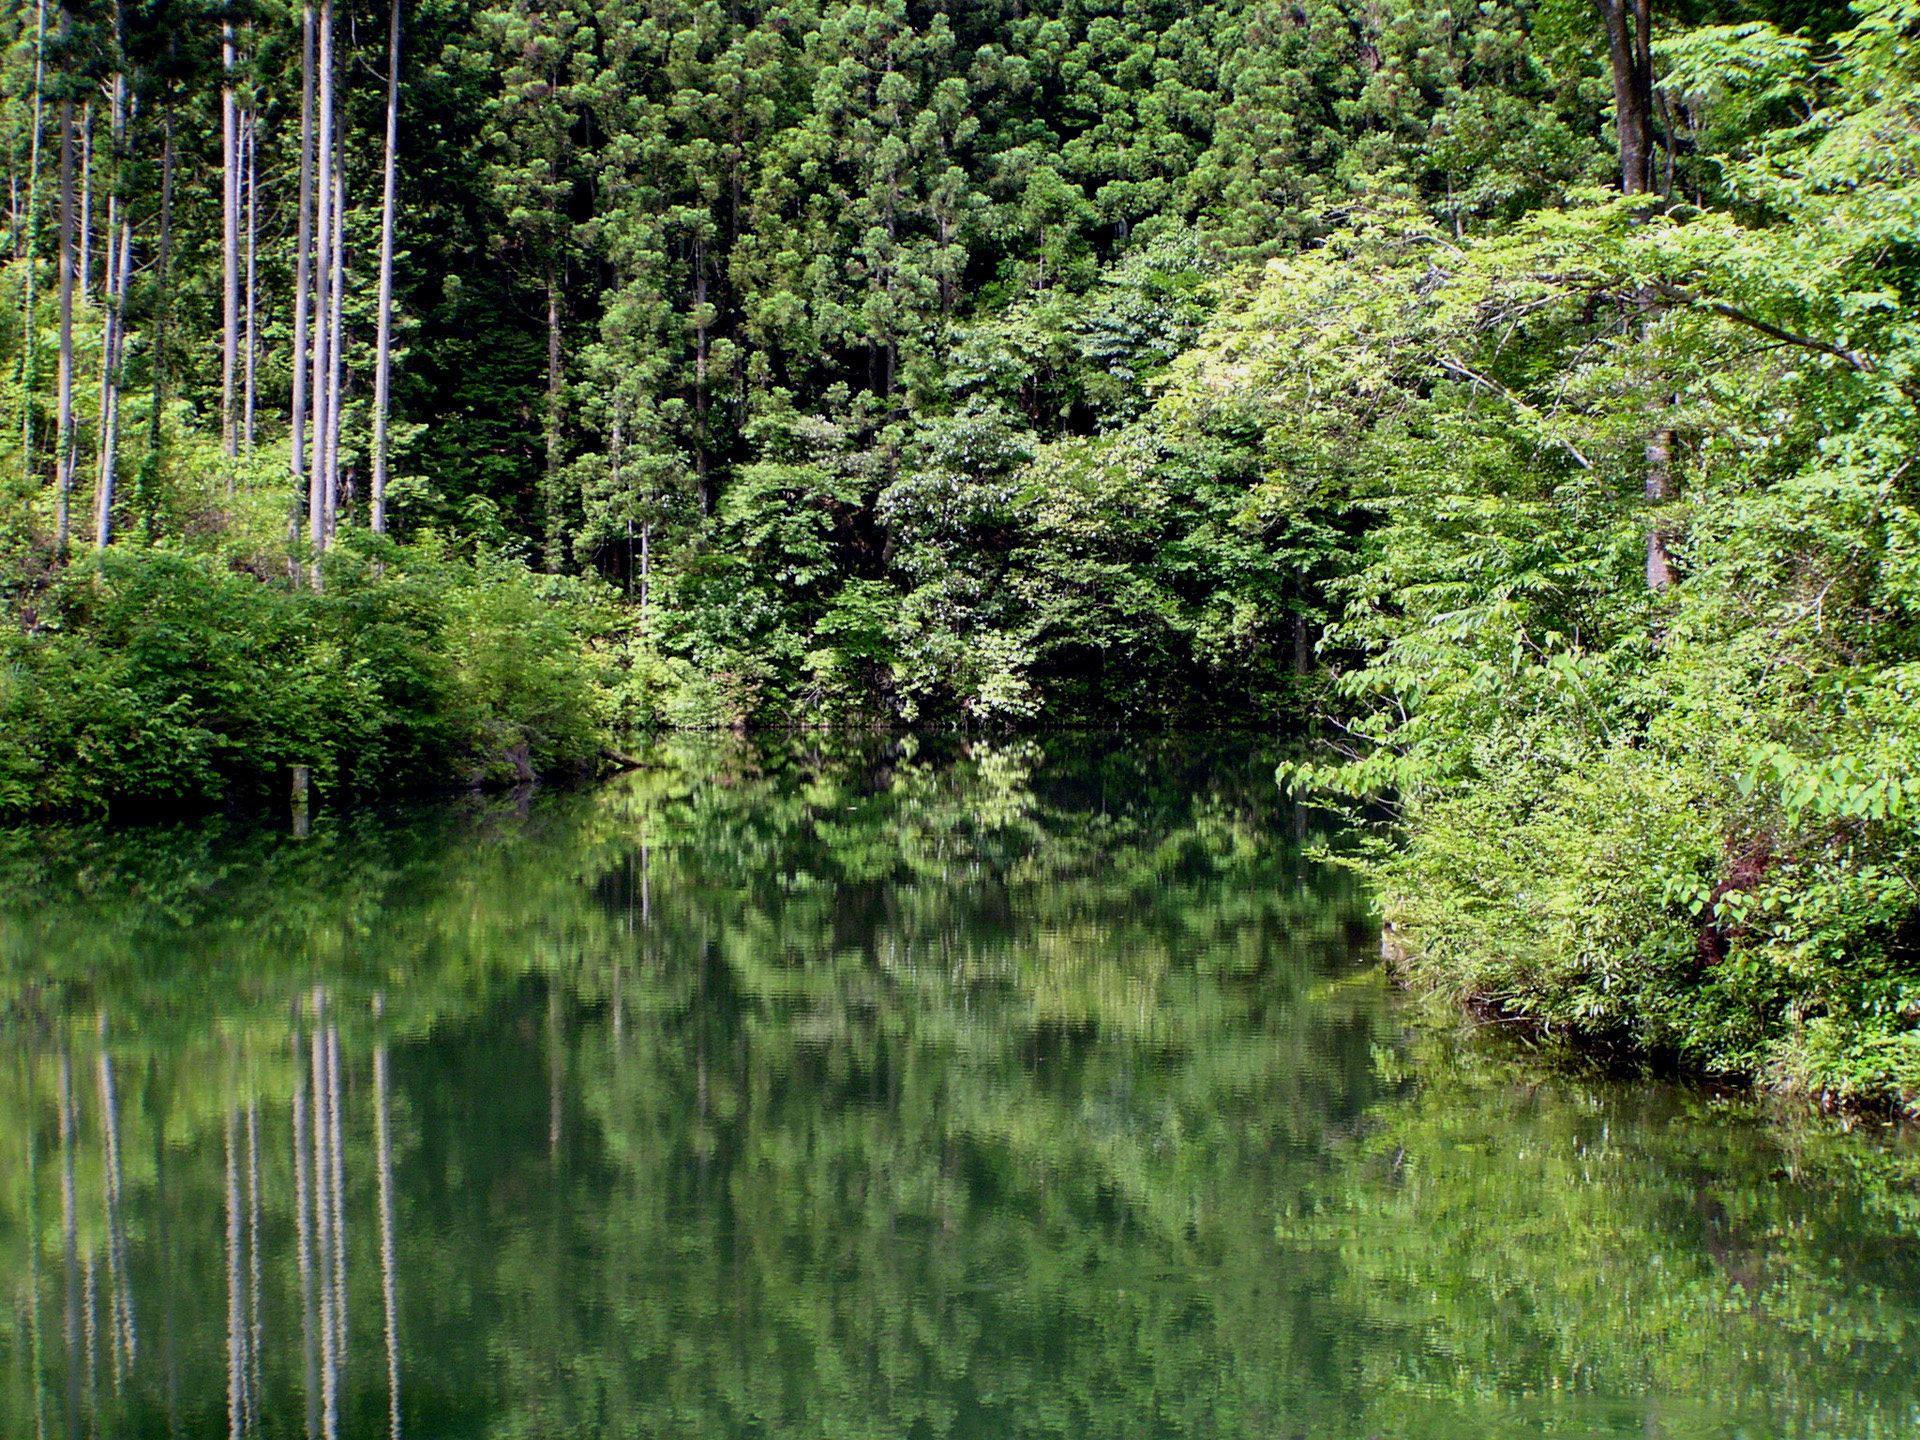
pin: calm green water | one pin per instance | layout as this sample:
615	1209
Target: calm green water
1003	1090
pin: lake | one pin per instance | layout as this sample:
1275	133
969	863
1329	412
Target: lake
869	1088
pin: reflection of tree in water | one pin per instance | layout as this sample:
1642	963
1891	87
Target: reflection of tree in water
1008	1090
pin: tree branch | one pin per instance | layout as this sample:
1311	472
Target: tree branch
1862	363
1454	367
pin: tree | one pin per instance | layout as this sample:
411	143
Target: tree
383	352
1629	26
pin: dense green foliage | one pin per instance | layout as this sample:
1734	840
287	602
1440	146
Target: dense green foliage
801	322
1229	362
1678	817
163	677
1020	1089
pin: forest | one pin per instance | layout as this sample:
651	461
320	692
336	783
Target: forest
1518	396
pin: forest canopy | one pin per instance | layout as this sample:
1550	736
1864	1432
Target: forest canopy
427	392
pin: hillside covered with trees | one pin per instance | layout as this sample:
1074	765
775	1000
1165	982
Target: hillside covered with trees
434	391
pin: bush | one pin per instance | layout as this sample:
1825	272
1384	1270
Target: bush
145	677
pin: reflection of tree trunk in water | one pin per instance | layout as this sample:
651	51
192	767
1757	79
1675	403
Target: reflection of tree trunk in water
119	1283
90	1308
338	1190
303	1208
322	1172
700	1052
70	1235
169	1352
554	1062
389	1300
236	1318
35	1347
253	1260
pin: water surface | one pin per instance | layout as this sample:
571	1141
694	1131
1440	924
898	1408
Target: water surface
1036	1089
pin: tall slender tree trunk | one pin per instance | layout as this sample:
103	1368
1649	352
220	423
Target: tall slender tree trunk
383	347
229	249
116	282
700	371
302	281
163	302
30	326
114	358
86	198
63	443
336	348
556	524
317	484
250	347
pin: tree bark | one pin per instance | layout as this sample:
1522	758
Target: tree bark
336	344
86	198
115	358
163	300
1660	490
317	483
1630	55
700	371
229	249
63	441
1629	25
30	327
118	280
383	351
302	281
250	348
556	525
